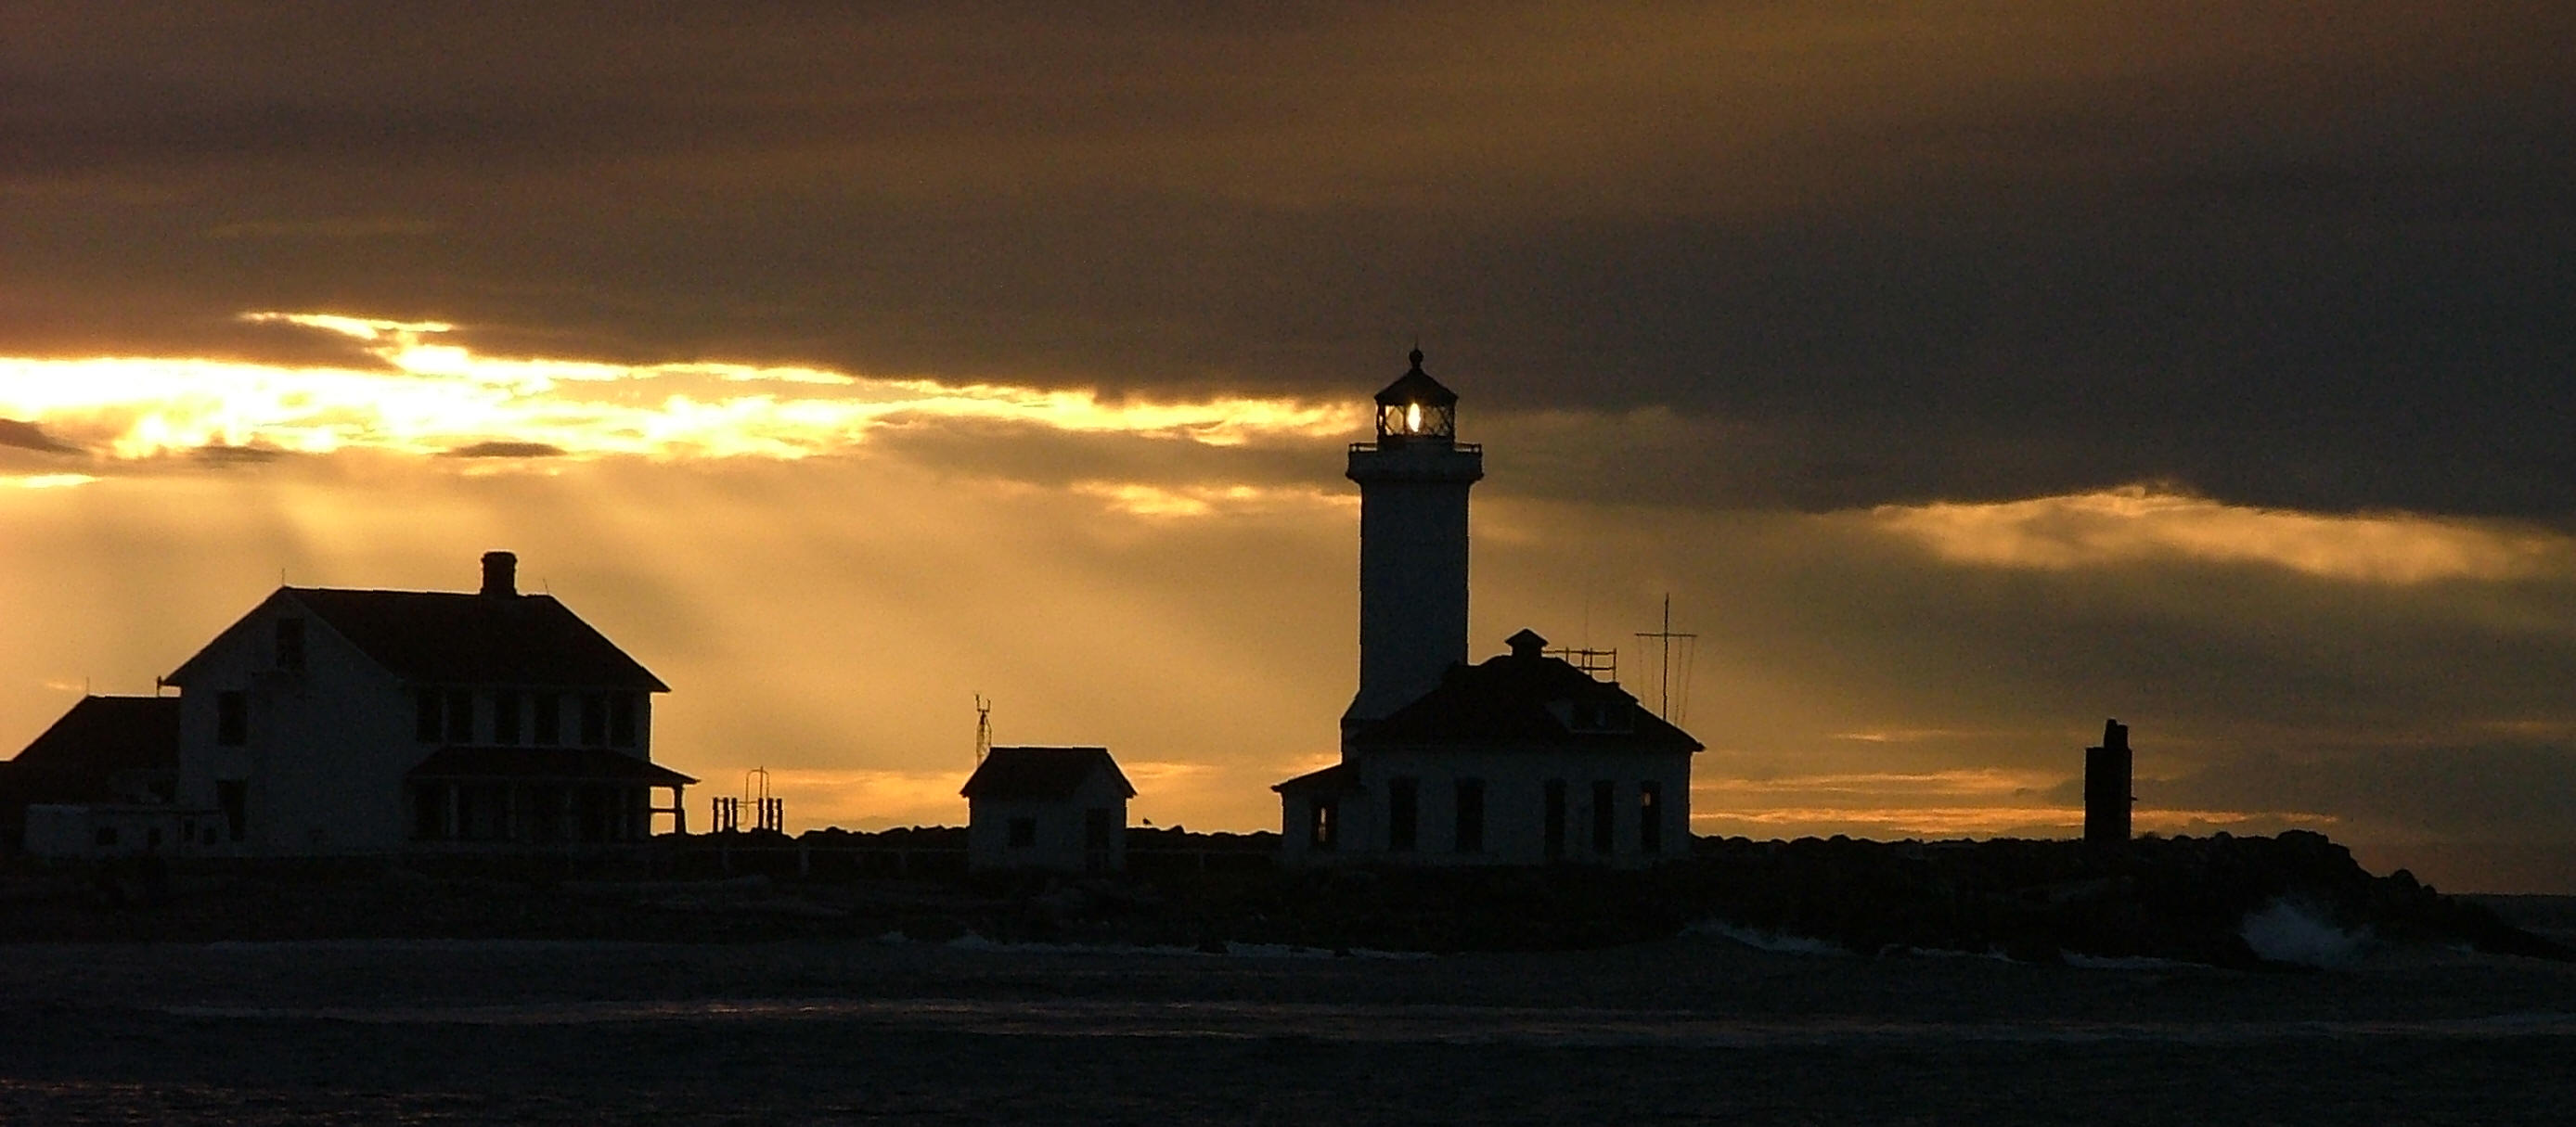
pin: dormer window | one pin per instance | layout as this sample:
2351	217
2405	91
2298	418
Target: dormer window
1595	715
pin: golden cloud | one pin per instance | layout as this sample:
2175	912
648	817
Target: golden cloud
433	397
2140	523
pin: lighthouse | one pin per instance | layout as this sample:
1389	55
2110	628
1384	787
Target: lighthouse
1413	544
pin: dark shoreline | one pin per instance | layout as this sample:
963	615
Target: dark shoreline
2177	899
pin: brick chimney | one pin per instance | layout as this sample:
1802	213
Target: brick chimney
500	575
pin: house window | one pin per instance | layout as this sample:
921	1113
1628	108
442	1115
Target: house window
1552	820
1605	816
232	718
428	811
1470	836
1403	810
594	720
428	715
1323	824
1024	833
233	795
290	644
621	720
548	714
460	716
1650	817
505	718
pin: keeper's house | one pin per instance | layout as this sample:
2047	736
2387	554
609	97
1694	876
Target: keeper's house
331	721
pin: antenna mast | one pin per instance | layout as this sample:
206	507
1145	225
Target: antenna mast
1665	637
983	728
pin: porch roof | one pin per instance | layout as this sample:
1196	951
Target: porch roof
545	764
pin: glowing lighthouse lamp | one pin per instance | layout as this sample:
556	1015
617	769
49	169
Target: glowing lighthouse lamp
1416	407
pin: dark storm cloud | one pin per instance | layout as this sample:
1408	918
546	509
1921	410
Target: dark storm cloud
2311	258
28	436
2487	792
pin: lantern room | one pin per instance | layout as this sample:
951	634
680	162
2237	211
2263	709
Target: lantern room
1416	408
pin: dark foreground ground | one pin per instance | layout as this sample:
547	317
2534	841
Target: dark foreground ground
2217	981
1686	1030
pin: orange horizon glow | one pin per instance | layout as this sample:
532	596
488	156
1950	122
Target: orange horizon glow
436	398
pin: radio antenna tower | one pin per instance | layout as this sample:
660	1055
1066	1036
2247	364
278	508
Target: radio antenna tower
1665	637
983	728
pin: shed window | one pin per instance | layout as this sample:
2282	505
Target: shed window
232	718
1650	817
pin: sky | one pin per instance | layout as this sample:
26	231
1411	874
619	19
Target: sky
1965	374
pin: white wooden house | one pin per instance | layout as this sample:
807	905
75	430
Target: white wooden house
330	721
1059	808
1522	759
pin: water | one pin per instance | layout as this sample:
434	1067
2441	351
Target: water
1691	1031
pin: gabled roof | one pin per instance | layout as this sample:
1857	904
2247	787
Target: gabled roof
546	764
443	637
107	734
1506	701
1026	773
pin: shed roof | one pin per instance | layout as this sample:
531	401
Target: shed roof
78	758
1025	773
446	637
106	734
1338	777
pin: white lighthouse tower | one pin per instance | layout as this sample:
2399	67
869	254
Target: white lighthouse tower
1413	544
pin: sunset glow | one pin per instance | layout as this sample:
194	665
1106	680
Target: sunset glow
435	398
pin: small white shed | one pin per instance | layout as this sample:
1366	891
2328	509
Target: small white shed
1060	808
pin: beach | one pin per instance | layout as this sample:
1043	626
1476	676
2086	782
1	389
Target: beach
1698	1028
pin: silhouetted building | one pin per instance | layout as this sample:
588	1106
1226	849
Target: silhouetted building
2107	797
330	721
1060	808
1522	759
101	781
